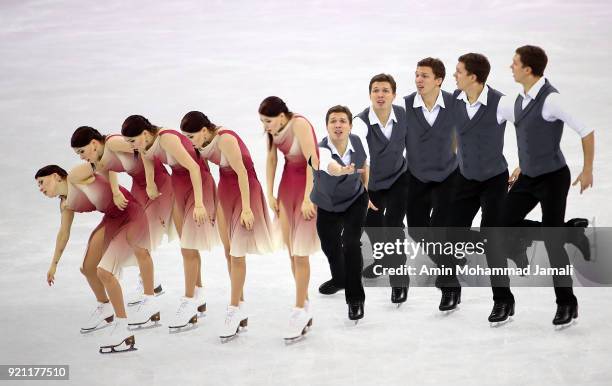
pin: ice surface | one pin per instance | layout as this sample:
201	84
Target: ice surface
71	63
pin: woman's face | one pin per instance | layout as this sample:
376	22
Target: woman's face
338	126
197	139
272	125
89	152
49	185
139	142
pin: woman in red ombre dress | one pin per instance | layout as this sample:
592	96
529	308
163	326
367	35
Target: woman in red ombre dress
194	203
294	136
111	154
121	235
244	223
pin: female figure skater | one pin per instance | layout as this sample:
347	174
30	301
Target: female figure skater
340	193
294	136
110	155
194	202
244	224
120	235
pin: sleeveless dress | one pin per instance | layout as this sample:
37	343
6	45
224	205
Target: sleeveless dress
194	236
259	239
303	238
124	230
158	211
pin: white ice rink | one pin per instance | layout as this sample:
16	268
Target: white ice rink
65	63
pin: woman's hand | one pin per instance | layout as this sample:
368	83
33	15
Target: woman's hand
246	218
273	204
200	215
152	191
120	201
308	209
51	275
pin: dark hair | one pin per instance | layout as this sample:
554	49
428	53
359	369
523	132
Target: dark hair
339	109
534	57
50	169
383	78
84	135
476	64
271	107
436	66
194	121
134	125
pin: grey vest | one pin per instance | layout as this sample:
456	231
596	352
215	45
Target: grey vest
429	148
538	140
480	140
387	160
336	194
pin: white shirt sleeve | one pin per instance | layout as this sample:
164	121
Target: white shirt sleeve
360	129
325	157
505	110
555	107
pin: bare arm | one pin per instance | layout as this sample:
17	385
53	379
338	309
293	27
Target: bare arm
173	146
230	149
118	144
81	174
303	133
271	163
63	235
149	169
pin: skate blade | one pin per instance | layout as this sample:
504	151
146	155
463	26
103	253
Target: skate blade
562	327
191	325
449	312
502	323
99	327
227	339
126	346
145	326
132	304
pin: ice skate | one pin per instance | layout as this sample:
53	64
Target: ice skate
565	316
450	300
235	318
147	315
101	317
200	298
136	296
118	339
355	311
501	314
300	322
186	316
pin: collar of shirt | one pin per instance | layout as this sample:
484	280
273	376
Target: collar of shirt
349	148
482	98
418	101
534	90
374	118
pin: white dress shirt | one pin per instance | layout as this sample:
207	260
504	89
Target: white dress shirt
325	155
360	128
503	109
430	116
555	108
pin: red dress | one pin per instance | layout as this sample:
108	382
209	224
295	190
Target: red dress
124	230
303	238
259	239
194	236
158	211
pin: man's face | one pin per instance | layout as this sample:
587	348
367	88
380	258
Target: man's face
462	78
382	95
425	80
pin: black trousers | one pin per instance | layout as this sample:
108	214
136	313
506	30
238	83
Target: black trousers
428	204
391	205
340	234
489	196
550	191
